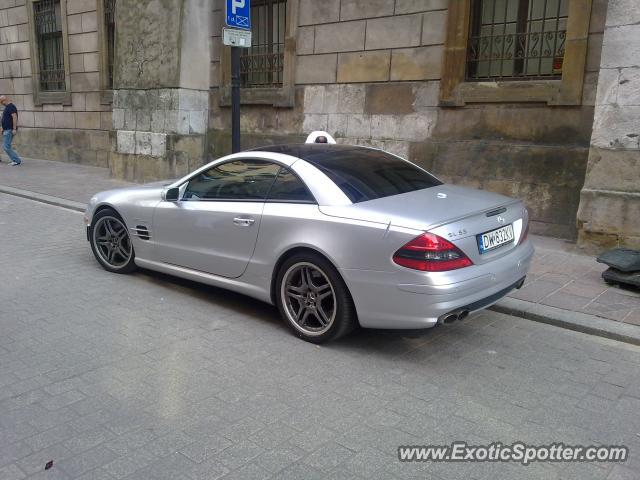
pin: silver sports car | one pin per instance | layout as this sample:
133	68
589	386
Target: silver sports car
336	236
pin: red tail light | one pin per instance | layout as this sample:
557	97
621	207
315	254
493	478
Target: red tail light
431	253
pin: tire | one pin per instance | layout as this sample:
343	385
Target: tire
318	313
111	242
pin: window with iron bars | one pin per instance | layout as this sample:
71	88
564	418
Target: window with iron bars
516	39
109	10
48	25
262	65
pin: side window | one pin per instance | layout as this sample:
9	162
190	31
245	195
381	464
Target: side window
289	188
237	180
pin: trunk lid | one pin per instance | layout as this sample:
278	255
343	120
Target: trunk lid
455	213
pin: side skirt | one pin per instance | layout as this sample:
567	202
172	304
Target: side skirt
207	278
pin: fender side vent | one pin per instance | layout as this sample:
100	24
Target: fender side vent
143	232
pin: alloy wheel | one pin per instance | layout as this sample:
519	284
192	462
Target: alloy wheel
309	298
112	242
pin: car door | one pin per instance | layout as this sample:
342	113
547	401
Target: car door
213	227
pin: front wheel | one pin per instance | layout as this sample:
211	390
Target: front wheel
111	243
313	299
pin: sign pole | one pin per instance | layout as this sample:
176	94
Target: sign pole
237	34
235	99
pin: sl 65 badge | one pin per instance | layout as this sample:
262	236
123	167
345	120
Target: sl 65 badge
458	233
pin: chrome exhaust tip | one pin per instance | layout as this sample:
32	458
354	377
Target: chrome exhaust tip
448	318
463	314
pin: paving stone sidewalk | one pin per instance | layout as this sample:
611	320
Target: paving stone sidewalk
560	276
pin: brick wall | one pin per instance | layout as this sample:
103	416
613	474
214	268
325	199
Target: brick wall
78	132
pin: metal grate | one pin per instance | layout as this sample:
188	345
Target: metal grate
516	39
262	65
110	32
47	18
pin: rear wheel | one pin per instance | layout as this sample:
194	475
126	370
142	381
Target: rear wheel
313	299
111	243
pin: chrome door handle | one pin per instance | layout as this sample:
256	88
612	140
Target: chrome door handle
243	222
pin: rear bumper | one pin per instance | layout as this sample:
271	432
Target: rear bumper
383	300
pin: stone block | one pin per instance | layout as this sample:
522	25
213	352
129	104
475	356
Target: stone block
9	34
126	141
394	32
364	67
191	145
78	101
607	86
306	36
171	121
25	68
102	158
616	127
314	99
85	82
88	120
80	6
621	47
337	125
629	87
389	99
315	122
89	22
340	37
17	15
623	12
27	119
426	95
158	144
424	63
99	140
143	120
384	127
316	69
352	99
64	120
19	51
331	100
22	85
23	32
418	126
198	121
355	9
434	26
76	63
313	12
157	121
414	6
94	102
143	143
52	107
106	120
74	24
359	126
130	119
83	42
91	62
617	170
183	125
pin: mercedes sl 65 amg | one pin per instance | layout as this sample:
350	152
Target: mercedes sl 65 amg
336	236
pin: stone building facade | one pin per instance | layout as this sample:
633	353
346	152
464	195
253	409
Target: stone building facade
457	86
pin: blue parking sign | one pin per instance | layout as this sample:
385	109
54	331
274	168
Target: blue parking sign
238	14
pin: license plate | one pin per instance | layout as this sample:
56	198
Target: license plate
495	238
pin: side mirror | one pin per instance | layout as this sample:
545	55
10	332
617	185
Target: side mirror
171	195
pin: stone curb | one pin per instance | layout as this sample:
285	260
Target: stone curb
42	198
579	322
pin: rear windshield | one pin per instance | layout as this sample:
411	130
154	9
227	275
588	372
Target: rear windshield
364	174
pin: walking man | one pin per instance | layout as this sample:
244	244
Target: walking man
9	129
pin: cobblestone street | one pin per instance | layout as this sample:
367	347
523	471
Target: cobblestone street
149	377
